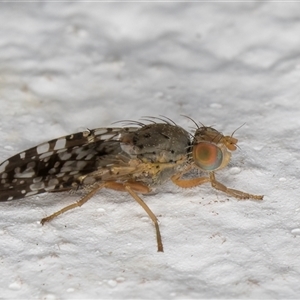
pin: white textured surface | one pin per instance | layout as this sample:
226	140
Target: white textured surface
67	66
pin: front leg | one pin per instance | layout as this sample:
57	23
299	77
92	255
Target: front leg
189	183
232	192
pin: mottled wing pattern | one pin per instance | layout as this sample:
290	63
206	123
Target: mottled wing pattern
56	164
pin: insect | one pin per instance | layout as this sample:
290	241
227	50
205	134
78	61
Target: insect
132	159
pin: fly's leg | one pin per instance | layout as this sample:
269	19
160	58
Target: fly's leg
232	192
151	215
98	187
132	188
189	183
76	204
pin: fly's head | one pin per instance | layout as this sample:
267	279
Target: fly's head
211	149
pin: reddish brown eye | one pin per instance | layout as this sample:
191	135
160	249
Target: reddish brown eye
207	156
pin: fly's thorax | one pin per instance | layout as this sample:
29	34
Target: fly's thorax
211	149
153	174
161	143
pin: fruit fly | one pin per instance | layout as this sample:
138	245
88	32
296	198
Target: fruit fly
133	159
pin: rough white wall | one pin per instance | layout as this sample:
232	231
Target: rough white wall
66	66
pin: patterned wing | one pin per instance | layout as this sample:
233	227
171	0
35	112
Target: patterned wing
57	164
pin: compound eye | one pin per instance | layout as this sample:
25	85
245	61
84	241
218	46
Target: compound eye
207	156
